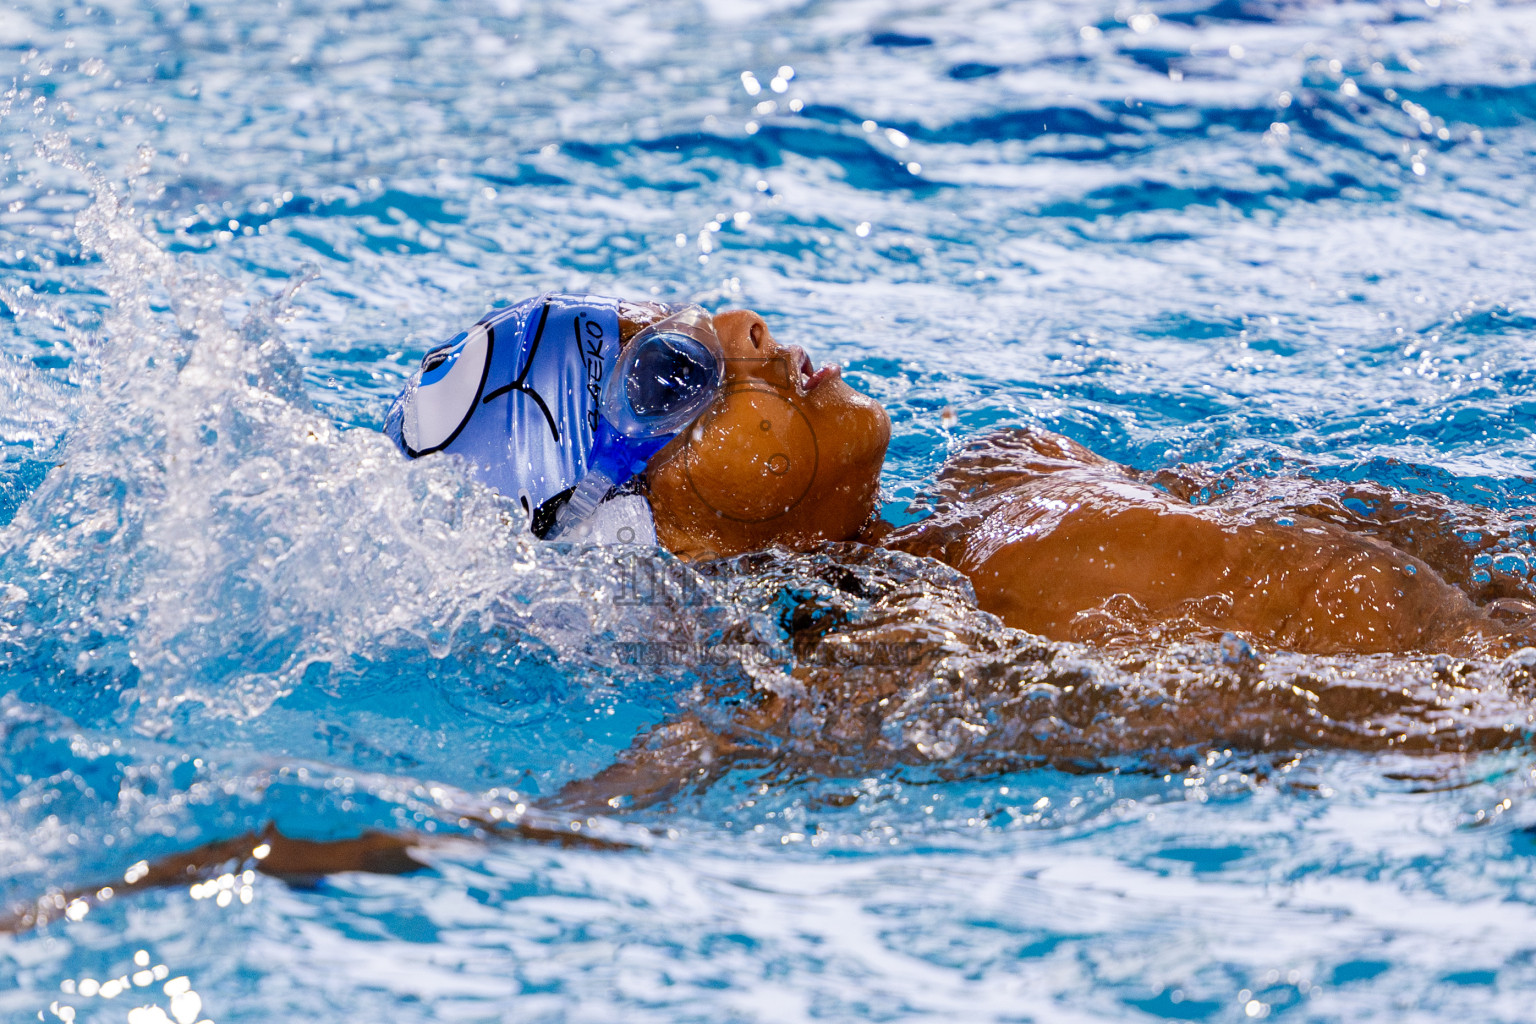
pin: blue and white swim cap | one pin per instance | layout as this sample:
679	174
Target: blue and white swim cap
543	405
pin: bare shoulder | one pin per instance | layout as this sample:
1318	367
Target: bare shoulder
1009	457
996	468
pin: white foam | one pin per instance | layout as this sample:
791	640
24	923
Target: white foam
625	519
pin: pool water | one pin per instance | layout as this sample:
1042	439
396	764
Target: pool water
1269	242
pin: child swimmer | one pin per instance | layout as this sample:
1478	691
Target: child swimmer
643	422
710	438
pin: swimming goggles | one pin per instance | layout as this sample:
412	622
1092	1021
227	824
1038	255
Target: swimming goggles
664	378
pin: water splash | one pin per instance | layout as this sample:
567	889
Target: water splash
1208	256
205	537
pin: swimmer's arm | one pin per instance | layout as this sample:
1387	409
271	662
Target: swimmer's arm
677	755
300	862
683	754
269	853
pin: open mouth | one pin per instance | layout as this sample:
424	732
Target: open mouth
810	377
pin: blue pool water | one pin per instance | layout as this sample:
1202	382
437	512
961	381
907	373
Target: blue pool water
1271	241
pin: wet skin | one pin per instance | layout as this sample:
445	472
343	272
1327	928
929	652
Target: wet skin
1056	541
786	455
1068	546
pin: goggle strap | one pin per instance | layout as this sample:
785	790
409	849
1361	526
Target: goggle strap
615	460
589	492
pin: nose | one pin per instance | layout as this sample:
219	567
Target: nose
752	354
743	334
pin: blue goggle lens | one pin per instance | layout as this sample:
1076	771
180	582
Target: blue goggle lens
670	372
665	377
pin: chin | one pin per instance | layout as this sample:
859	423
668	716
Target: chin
853	431
857	426
711	497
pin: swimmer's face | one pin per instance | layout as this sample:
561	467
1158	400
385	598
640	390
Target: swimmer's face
787	454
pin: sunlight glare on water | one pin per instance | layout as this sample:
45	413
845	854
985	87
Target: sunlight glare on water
1269	242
